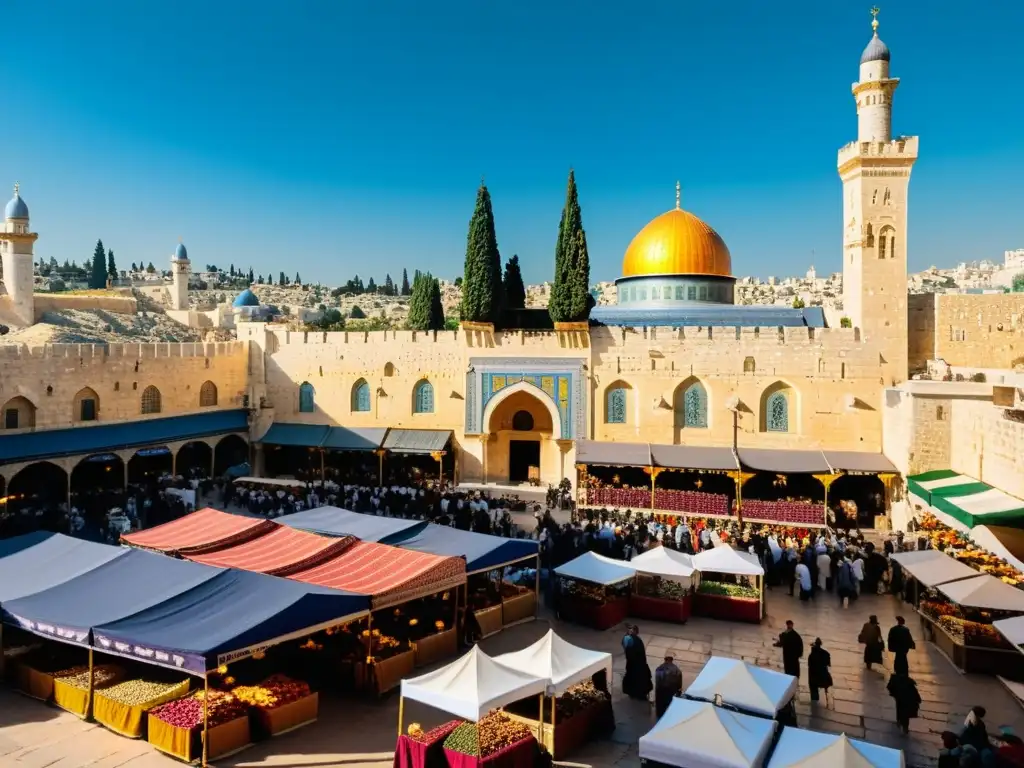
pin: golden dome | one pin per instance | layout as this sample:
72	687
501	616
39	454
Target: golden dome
677	243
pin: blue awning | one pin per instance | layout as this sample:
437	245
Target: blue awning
334	521
354	438
299	435
38	561
482	551
117	589
104	438
226	618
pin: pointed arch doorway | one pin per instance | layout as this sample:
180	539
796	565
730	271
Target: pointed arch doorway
524	427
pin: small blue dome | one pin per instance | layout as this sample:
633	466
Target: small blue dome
16	208
180	253
246	299
876	51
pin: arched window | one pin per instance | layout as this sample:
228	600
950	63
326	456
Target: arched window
86	405
695	407
748	365
776	417
150	400
207	394
422	397
615	405
307	398
361	396
389	370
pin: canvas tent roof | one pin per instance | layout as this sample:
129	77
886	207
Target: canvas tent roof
300	435
417	441
472	686
799	748
931	567
280	552
481	551
745	686
1007	543
1012	630
202	531
700	735
559	663
725	559
782	460
225	617
115	590
966	500
334	521
37	561
858	461
596	568
661	561
694	457
601	453
986	592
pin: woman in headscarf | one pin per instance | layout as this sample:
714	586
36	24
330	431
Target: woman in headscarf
637	682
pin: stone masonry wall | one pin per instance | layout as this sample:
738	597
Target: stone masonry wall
980	330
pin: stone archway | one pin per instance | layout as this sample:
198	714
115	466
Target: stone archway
524	426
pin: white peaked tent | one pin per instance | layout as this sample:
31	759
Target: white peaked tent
744	686
695	734
559	663
727	560
1012	630
798	748
596	568
667	563
471	686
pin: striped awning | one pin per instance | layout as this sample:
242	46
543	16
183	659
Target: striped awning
206	530
281	552
967	501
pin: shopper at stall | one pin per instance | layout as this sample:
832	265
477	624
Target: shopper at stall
871	638
792	646
901	642
904	692
975	734
668	683
846	583
803	578
818	675
824	561
636	683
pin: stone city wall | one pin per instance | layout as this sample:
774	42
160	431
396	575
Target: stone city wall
980	330
52	302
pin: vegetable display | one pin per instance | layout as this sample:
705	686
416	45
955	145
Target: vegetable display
722	589
78	677
578	698
416	732
663	589
463	739
187	712
275	691
137	693
972	633
492	734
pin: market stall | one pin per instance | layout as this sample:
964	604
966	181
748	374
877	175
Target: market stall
924	569
205	530
335	521
594	590
663	589
746	687
280	552
731	585
471	688
576	708
693	734
963	503
798	748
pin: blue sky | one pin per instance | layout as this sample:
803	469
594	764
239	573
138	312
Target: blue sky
335	137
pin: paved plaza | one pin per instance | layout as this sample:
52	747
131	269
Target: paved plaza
361	734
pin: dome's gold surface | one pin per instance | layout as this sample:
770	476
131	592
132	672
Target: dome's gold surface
677	243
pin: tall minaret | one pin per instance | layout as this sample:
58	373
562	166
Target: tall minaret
181	267
16	243
875	171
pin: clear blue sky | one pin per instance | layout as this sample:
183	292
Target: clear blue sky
337	137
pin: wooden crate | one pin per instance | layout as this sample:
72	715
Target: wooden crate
288	717
32	682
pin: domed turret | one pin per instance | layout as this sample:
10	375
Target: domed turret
876	50
180	253
246	299
16	207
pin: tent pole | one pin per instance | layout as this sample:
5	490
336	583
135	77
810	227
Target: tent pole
455	613
370	672
206	716
88	697
540	721
554	708
401	713
536	602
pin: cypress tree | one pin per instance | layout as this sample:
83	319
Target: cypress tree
98	275
570	294
406	290
250	275
371	287
298	280
435	308
515	290
282	280
481	287
419	303
111	265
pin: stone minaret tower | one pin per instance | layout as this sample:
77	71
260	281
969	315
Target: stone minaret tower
16	243
875	170
181	267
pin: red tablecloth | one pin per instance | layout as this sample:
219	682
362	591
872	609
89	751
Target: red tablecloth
522	754
727	608
599	616
659	609
410	753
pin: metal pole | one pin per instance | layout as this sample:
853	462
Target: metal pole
536	602
401	713
380	468
88	696
554	708
206	717
540	721
323	477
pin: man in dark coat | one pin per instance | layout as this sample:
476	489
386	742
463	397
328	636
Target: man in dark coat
901	642
792	646
668	683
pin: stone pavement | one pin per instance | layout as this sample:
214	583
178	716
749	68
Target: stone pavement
360	734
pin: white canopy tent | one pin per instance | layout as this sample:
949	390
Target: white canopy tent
667	563
1012	630
695	734
984	591
798	748
931	567
470	687
559	663
744	686
728	560
597	569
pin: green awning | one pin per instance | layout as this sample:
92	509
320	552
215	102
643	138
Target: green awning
966	500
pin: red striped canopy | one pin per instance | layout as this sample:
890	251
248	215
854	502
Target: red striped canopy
281	552
203	531
390	575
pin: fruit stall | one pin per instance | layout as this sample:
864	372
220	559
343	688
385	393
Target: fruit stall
593	590
927	568
663	590
731	585
747	688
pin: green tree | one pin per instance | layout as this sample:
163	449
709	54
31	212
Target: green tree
406	289
111	265
570	294
798	303
150	268
371	287
458	281
98	275
298	280
515	291
481	289
282	280
419	303
250	275
1017	285
231	270
389	285
357	313
436	320
845	322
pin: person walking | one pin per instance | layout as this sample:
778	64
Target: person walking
845	583
818	675
636	683
803	578
668	683
792	646
901	642
904	692
871	637
824	569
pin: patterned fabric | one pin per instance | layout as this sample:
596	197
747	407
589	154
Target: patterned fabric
203	531
306	398
423	398
615	412
361	397
777	413
695	407
278	553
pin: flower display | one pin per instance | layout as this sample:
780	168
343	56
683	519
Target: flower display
973	633
222	669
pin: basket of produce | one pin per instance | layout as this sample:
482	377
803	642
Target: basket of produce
497	738
176	727
122	707
71	686
279	704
